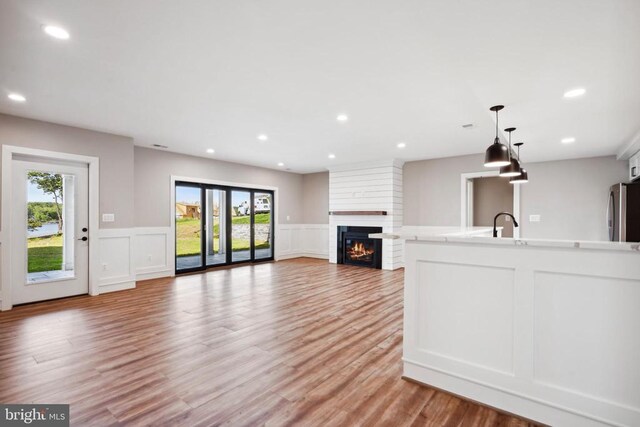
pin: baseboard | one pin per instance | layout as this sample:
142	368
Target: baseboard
301	255
154	274
312	255
117	286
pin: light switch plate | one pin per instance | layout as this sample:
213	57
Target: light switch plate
534	218
108	217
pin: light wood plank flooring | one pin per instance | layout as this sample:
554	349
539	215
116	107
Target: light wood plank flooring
298	342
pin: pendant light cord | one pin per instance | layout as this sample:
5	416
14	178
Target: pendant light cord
496	124
510	145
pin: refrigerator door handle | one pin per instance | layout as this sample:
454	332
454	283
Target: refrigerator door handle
611	215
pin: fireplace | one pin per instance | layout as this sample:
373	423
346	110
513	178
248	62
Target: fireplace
356	248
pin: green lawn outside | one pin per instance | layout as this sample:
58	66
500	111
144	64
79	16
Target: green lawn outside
263	218
44	253
188	235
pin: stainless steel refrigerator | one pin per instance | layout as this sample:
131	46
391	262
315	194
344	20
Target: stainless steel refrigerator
623	212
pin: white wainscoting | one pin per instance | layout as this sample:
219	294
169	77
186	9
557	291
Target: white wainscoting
154	247
154	252
116	269
297	240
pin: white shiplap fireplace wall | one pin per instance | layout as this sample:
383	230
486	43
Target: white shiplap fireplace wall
372	186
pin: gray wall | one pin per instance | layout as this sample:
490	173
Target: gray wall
153	170
115	153
570	195
431	189
490	196
315	198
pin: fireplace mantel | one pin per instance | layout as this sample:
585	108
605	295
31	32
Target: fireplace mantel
383	213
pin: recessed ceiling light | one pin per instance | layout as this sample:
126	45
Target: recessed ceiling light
56	32
210	150
16	97
263	137
332	156
568	140
402	144
342	118
280	164
579	91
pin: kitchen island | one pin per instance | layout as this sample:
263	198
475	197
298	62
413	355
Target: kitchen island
545	329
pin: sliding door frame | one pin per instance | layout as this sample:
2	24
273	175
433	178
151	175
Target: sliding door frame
205	185
202	228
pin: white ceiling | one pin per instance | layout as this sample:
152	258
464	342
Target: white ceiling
194	75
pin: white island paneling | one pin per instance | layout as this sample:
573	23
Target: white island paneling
546	330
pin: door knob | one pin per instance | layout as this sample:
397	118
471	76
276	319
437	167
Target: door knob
84	239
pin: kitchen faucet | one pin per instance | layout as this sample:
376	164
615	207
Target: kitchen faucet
495	218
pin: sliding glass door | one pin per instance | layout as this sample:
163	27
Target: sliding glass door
215	235
263	225
218	225
188	227
241	225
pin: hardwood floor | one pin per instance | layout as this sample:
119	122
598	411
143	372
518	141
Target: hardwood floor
298	342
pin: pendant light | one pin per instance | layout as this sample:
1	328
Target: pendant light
497	155
513	167
524	176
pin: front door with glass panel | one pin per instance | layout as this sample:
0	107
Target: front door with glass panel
50	212
218	225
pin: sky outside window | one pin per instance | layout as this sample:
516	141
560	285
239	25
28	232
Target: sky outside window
34	194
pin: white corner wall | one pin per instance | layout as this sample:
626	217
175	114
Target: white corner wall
371	186
302	240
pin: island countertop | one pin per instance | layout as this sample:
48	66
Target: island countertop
483	235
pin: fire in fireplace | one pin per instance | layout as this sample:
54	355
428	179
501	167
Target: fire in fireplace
356	248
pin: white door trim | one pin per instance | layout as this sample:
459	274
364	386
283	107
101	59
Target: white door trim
466	198
172	209
94	188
